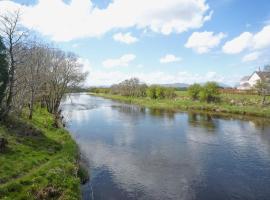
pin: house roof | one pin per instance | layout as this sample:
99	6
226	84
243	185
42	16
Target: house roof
264	75
245	78
245	85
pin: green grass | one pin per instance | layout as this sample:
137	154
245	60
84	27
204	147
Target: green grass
41	162
230	104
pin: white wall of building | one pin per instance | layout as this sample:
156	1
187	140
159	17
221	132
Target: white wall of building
253	79
247	85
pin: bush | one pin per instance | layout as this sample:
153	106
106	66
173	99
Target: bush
160	92
100	90
151	92
83	174
157	92
194	90
169	93
209	92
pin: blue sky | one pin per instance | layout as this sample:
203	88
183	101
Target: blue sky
157	41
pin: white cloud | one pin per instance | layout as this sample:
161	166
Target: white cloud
238	44
261	40
203	42
251	56
98	77
125	38
123	61
169	58
81	18
85	64
248	41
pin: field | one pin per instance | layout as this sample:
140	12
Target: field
41	162
231	98
242	104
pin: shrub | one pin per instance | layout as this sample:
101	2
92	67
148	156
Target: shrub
83	174
169	93
194	90
100	90
209	92
151	92
160	92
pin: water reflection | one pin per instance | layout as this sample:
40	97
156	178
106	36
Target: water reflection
202	120
138	153
162	113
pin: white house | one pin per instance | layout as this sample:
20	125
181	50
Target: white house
248	82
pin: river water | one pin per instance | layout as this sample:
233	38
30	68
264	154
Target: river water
139	153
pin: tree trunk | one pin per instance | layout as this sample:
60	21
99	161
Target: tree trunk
11	80
263	100
3	144
31	107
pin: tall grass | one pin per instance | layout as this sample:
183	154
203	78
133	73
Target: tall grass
41	162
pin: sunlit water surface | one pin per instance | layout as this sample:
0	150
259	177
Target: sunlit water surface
138	153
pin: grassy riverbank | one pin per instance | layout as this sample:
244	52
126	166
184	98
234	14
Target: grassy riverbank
40	162
230	104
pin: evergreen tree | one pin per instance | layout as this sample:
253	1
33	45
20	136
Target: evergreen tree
3	71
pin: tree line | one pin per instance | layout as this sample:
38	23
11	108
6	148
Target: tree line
31	71
133	87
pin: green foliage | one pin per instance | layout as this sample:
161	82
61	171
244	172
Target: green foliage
100	90
194	90
158	92
209	92
83	174
38	164
262	87
169	93
3	71
243	104
133	88
151	92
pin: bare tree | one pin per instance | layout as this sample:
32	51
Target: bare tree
13	35
3	73
36	71
64	72
130	87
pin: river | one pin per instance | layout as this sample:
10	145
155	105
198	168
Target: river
139	153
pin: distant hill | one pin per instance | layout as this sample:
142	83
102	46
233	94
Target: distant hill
185	85
223	85
175	85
